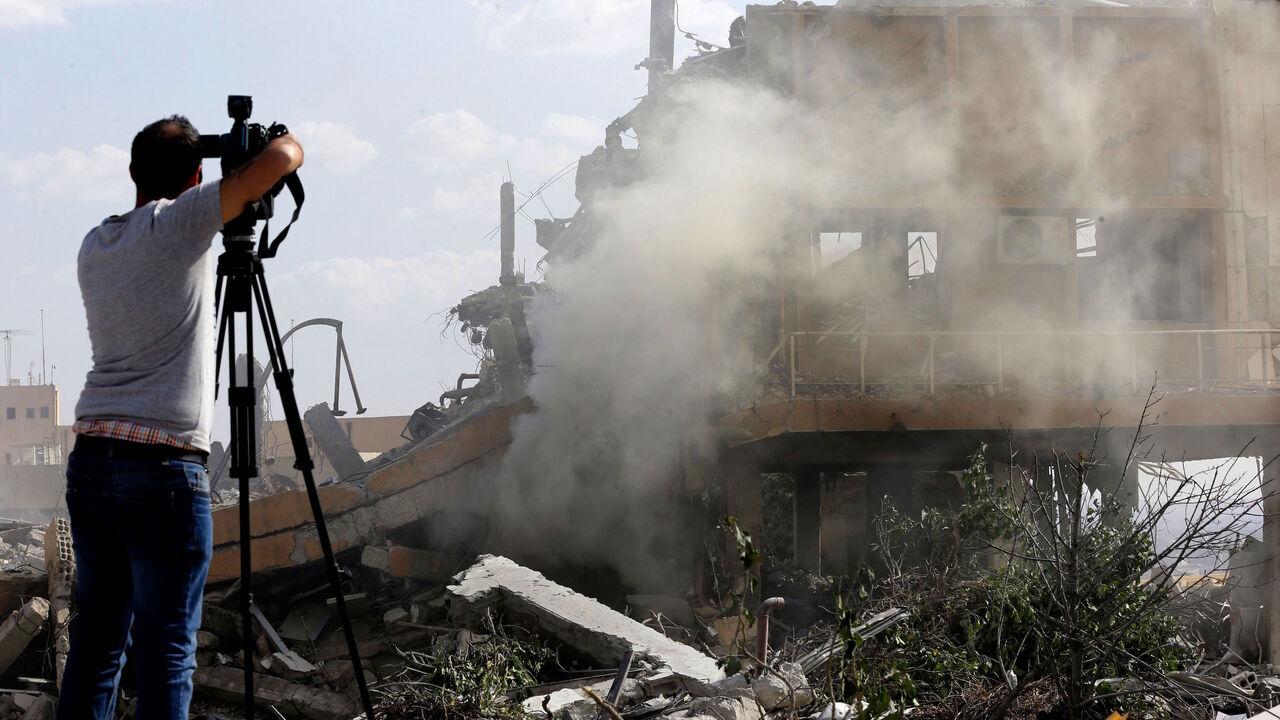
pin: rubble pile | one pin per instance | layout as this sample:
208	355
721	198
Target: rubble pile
21	543
443	634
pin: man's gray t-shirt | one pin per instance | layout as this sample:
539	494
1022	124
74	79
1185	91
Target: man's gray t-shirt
147	282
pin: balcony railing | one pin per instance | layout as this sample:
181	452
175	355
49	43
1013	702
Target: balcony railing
1026	363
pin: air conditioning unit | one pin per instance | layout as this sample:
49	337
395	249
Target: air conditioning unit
1032	240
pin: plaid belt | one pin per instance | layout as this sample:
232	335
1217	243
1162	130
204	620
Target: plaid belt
114	448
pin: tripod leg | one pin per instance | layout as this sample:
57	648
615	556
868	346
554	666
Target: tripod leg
242	401
289	403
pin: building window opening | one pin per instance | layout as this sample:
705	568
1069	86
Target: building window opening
44	412
1086	237
922	254
11	413
1142	266
836	246
31	413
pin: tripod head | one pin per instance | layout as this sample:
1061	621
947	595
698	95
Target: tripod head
237	147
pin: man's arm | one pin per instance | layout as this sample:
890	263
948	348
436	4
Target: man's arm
253	179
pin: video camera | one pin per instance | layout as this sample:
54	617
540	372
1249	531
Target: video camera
238	147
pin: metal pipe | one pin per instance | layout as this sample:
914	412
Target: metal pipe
762	627
793	365
460	392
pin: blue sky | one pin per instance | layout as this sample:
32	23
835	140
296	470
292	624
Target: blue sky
411	114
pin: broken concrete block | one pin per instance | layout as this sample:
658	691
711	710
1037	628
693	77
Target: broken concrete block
571	618
206	640
404	562
60	564
41	709
289	665
574	703
421	564
662	682
723	708
375	557
21	627
732	686
220	621
226	684
19	583
395	615
773	694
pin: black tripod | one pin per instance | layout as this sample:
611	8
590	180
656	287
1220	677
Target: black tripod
241	286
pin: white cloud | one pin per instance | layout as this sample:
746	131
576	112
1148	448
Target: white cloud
20	13
595	28
448	139
550	27
335	146
431	281
578	131
459	140
101	174
470	159
475	195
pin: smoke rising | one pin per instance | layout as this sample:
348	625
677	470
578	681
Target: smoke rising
658	324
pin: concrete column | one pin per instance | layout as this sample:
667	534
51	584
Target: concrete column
332	440
662	40
60	564
807	518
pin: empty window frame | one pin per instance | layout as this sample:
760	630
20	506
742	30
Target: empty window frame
1086	237
922	253
832	247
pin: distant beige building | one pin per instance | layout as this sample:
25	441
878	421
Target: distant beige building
34	447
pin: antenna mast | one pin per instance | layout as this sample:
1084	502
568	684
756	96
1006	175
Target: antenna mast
8	353
43	365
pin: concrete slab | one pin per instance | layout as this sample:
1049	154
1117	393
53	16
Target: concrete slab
226	684
574	619
21	627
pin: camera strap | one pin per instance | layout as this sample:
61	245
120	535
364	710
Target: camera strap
267	249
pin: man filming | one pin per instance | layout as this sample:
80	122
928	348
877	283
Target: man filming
137	487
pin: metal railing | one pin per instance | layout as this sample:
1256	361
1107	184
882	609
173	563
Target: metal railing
1026	363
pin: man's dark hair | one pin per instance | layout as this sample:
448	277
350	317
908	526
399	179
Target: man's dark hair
165	155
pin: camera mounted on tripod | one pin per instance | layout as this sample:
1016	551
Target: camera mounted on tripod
241	291
235	148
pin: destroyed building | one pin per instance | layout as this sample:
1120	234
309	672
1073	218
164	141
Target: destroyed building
1107	221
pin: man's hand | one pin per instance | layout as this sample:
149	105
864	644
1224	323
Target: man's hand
252	180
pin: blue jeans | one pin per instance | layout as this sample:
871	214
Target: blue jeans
143	537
